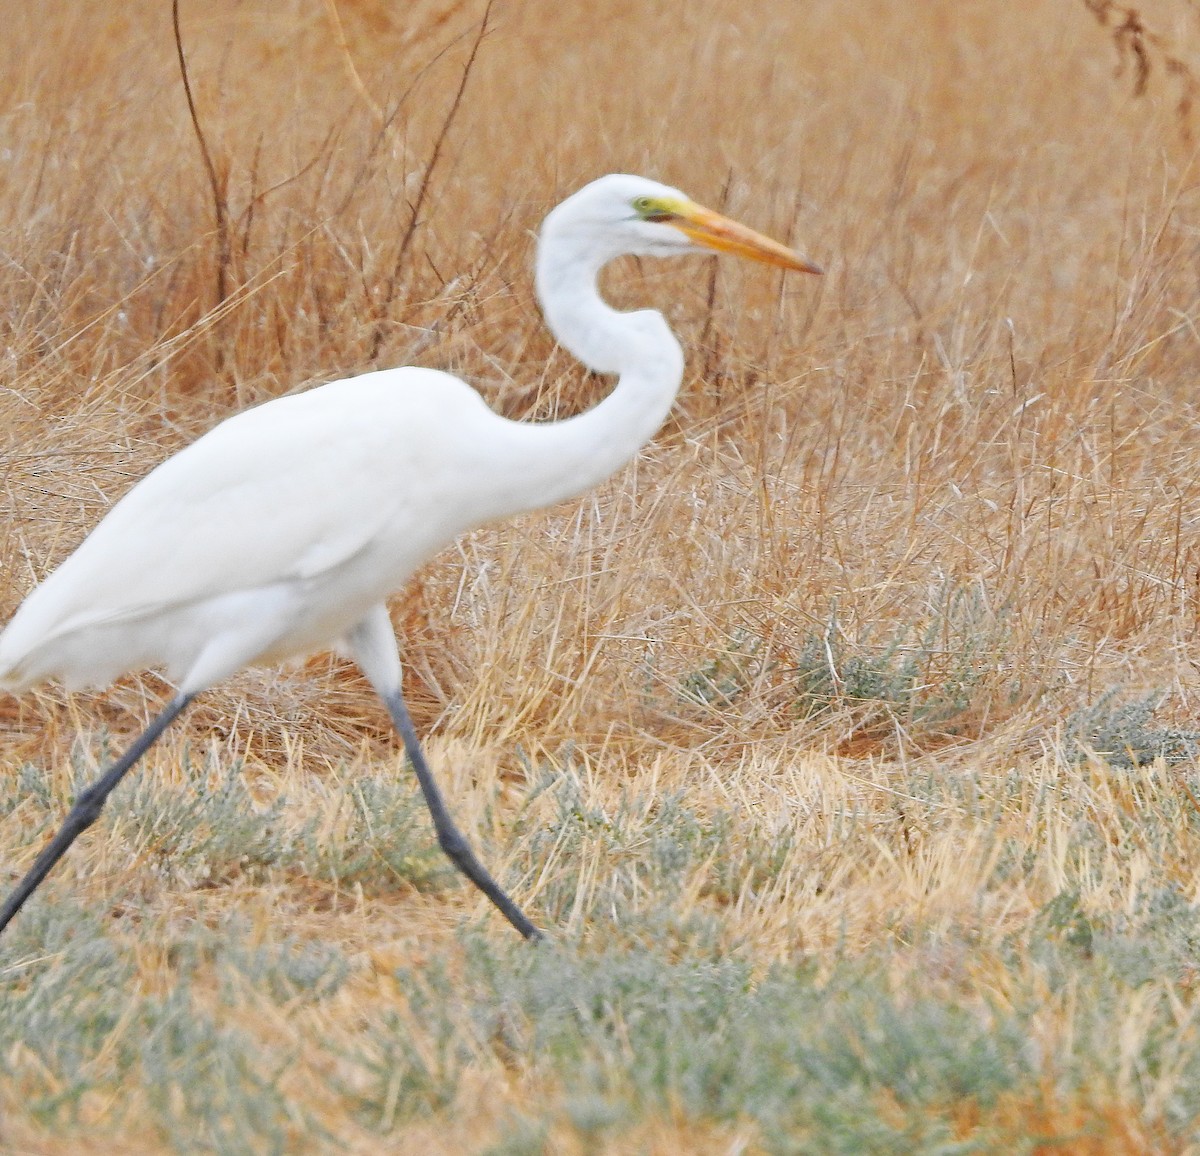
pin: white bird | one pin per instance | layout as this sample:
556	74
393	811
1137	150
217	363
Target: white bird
283	530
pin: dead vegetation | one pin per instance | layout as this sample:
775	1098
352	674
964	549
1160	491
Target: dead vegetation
845	740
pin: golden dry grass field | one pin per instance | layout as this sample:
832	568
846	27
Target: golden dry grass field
843	742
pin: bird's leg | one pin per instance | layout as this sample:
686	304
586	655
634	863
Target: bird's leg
88	806
450	838
373	644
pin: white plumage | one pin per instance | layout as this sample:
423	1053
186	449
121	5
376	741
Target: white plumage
284	529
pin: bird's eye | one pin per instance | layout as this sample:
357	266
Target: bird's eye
651	209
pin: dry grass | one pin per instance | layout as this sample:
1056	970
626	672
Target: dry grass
843	741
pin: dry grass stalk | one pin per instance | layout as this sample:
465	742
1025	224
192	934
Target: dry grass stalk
823	724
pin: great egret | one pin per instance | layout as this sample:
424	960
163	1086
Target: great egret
283	529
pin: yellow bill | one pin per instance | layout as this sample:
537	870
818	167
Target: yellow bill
714	231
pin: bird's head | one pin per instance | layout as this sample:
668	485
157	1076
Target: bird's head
620	214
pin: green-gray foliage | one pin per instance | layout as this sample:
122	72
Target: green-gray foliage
927	676
647	1013
837	1060
646	848
1126	735
720	680
816	1065
209	828
385	837
72	1021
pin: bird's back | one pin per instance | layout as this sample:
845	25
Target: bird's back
305	510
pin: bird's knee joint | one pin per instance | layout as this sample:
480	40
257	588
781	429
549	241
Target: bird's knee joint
88	805
454	844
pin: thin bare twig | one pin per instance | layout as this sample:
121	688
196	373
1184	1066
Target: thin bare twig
217	183
426	179
1139	45
339	33
709	340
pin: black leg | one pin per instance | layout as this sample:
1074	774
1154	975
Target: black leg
450	838
88	807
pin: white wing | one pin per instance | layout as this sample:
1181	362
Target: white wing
284	492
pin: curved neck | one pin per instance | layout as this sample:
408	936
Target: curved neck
582	321
563	459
